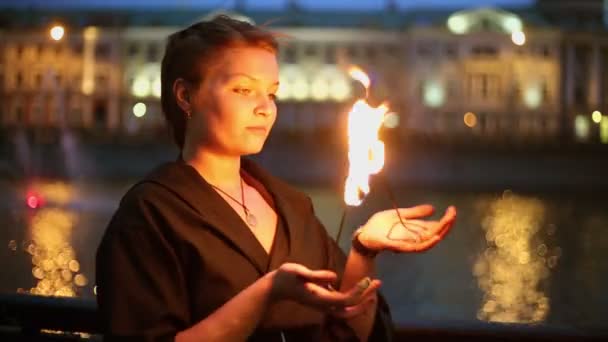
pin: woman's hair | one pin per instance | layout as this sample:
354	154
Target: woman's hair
190	53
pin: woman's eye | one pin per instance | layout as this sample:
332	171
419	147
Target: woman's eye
242	91
273	97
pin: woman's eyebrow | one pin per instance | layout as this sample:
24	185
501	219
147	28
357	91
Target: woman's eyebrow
240	74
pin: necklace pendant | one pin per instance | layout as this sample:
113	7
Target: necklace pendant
251	219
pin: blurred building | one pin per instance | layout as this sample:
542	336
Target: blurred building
584	47
75	81
483	73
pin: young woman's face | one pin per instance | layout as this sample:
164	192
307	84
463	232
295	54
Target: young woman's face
233	110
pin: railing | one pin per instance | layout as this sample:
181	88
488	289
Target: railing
35	318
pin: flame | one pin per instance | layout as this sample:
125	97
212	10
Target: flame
365	152
359	75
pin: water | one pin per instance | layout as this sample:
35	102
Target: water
511	257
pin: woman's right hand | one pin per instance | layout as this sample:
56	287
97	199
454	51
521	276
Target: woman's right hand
298	283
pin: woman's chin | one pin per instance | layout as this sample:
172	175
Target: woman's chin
252	149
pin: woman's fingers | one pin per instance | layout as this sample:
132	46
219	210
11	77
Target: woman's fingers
409	246
418	211
427	229
310	275
336	299
448	217
355	310
361	290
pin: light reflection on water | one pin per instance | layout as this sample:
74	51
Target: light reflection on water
515	264
509	258
55	267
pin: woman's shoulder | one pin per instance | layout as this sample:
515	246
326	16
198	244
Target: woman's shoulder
148	202
142	191
163	183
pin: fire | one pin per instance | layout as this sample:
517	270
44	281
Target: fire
359	75
365	150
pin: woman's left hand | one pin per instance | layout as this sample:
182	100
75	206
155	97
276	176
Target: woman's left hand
386	231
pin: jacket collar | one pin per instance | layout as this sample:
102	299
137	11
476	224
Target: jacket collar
184	181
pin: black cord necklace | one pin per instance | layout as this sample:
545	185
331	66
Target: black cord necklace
251	220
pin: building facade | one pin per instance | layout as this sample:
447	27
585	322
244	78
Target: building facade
484	73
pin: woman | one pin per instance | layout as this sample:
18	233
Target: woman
211	247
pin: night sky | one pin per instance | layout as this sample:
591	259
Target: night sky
259	4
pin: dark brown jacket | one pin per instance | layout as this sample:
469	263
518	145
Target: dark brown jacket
175	251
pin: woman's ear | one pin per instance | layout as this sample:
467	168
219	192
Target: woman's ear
182	95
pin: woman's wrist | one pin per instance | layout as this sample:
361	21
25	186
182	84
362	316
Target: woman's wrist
270	284
360	248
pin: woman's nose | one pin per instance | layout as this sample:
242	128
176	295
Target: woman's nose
266	106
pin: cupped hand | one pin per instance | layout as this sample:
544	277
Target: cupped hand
406	232
313	288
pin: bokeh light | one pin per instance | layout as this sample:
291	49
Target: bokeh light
596	116
300	89
139	109
141	87
581	127
57	32
320	89
434	94
33	201
518	38
340	89
516	261
156	87
391	120
533	97
470	119
53	258
604	130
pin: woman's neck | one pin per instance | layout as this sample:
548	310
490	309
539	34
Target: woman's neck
217	169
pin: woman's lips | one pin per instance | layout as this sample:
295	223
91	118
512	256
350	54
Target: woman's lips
257	129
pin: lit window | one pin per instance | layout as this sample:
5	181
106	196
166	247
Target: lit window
283	93
141	87
533	97
300	89
156	87
340	89
320	90
434	94
604	130
581	127
391	120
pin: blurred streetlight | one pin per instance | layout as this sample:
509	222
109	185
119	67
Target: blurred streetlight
470	119
518	38
391	120
56	32
596	116
139	109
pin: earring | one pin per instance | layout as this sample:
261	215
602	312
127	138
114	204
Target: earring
188	115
